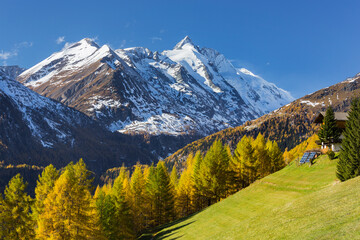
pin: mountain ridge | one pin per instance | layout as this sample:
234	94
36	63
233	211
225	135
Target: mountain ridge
36	130
288	125
187	91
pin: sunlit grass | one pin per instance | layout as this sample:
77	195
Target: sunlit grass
298	202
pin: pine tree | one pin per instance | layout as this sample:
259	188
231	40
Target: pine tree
15	209
329	132
44	186
349	164
213	172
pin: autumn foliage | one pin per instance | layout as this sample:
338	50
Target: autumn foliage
67	207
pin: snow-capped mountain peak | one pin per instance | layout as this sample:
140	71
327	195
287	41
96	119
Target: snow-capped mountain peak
66	62
183	91
184	42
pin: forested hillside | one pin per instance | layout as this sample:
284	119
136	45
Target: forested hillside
139	199
288	125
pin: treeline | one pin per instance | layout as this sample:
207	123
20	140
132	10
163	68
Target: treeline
64	207
290	126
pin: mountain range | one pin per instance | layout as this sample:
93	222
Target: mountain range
36	130
186	91
114	107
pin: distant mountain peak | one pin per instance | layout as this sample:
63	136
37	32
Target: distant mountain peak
184	91
183	42
11	71
83	42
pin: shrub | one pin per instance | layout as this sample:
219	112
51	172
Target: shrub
331	154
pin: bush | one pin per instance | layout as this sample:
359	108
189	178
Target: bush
331	154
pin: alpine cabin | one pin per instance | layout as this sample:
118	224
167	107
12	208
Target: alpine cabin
341	118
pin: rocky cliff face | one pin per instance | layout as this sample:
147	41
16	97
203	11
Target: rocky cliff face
184	91
37	130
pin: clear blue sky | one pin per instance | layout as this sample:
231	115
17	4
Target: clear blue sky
301	46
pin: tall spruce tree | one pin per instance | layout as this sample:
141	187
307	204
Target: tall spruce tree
349	164
329	132
15	218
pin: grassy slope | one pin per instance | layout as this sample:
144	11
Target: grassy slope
295	203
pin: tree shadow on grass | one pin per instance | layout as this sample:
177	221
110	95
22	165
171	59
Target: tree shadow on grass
158	234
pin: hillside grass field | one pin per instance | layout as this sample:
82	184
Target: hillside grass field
297	202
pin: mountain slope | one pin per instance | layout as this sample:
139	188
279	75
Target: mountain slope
297	202
38	131
188	90
288	125
12	71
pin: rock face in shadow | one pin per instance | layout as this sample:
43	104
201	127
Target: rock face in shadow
36	130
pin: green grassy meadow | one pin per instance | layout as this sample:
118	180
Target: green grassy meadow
298	202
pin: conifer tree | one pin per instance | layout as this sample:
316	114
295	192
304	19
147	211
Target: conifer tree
15	208
165	195
276	156
123	228
261	155
105	209
138	199
198	200
151	195
213	172
67	212
249	163
185	190
349	164
44	186
329	132
160	195
174	178
236	170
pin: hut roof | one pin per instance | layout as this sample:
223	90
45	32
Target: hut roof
339	116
